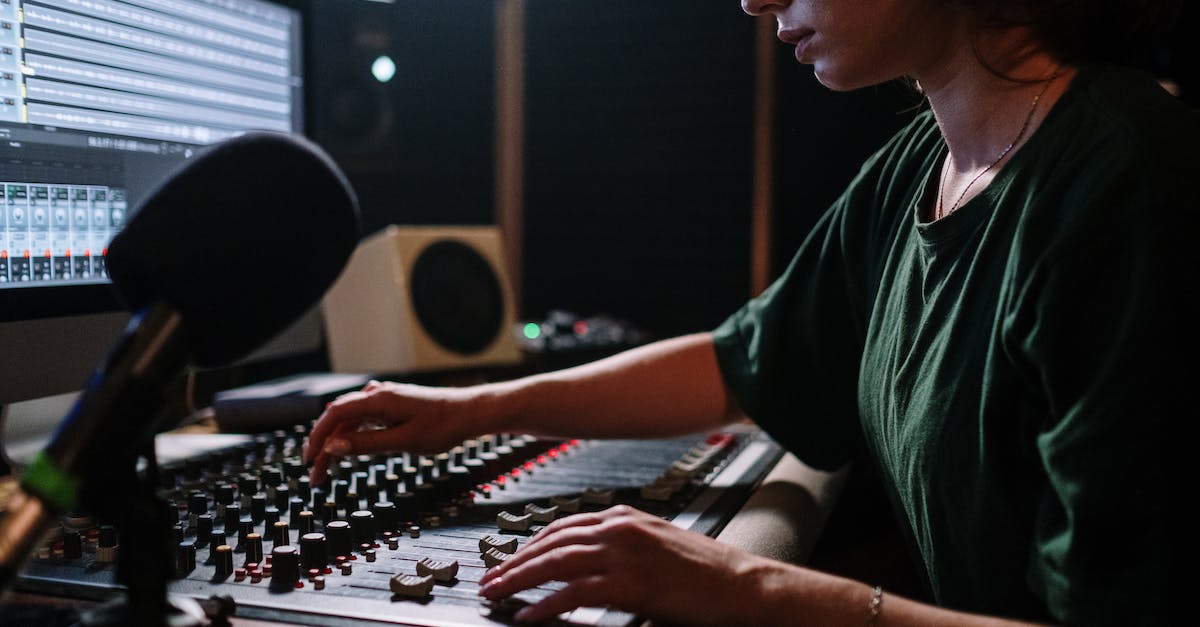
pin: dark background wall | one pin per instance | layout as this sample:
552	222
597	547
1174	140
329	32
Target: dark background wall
638	160
419	148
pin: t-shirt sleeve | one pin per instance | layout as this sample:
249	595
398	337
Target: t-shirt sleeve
791	356
1094	327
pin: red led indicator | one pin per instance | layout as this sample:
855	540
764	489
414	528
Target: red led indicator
3	254
581	328
47	253
27	254
68	252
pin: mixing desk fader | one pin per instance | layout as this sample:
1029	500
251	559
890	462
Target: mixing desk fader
400	539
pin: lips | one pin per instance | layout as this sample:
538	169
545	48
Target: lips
799	37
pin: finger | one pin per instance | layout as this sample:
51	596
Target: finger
355	408
554	535
587	591
325	424
578	520
317	474
566	563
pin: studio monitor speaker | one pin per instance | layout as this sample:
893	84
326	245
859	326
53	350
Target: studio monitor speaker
421	299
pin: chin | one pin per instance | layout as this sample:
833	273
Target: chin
840	79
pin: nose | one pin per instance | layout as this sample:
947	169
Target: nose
762	7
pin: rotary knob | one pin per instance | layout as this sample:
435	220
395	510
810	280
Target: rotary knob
314	551
285	568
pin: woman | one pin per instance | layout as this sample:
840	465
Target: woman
987	312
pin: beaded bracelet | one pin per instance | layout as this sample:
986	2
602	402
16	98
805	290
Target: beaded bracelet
876	605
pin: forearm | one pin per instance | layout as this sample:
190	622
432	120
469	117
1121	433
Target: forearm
666	388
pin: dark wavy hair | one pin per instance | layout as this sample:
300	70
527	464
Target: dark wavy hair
1126	32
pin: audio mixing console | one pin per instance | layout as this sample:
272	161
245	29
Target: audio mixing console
399	539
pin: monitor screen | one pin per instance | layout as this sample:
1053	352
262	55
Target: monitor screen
99	101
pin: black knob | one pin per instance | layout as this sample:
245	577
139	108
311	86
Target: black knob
247	486
223	560
283	494
215	541
197	503
314	551
204	527
307	522
285	568
185	558
362	524
340	536
280	534
232	514
254	548
272	516
295	505
385	516
258	507
271	477
245	530
223	494
108	537
72	545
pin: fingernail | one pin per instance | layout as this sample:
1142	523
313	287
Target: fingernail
523	614
488	589
337	446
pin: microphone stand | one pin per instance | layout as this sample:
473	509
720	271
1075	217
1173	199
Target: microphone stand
145	560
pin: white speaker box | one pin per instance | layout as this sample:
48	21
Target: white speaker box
421	299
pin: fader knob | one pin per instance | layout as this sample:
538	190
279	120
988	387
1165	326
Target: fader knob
285	568
440	570
411	585
489	542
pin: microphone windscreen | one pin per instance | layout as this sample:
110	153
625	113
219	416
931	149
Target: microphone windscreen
242	240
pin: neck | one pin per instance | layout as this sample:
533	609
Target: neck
977	110
985	118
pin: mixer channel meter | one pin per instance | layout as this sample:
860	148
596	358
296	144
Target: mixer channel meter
400	539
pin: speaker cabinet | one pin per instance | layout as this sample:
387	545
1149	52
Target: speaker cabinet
422	299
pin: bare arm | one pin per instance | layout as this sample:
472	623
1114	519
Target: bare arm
666	388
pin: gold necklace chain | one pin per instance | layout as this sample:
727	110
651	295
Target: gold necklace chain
941	212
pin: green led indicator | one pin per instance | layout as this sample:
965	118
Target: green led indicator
532	331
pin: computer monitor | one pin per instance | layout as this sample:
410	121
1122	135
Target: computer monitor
99	101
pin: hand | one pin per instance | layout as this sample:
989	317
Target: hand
384	417
630	560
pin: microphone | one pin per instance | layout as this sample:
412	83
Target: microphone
232	248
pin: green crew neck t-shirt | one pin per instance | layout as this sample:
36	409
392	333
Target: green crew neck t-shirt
1010	368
